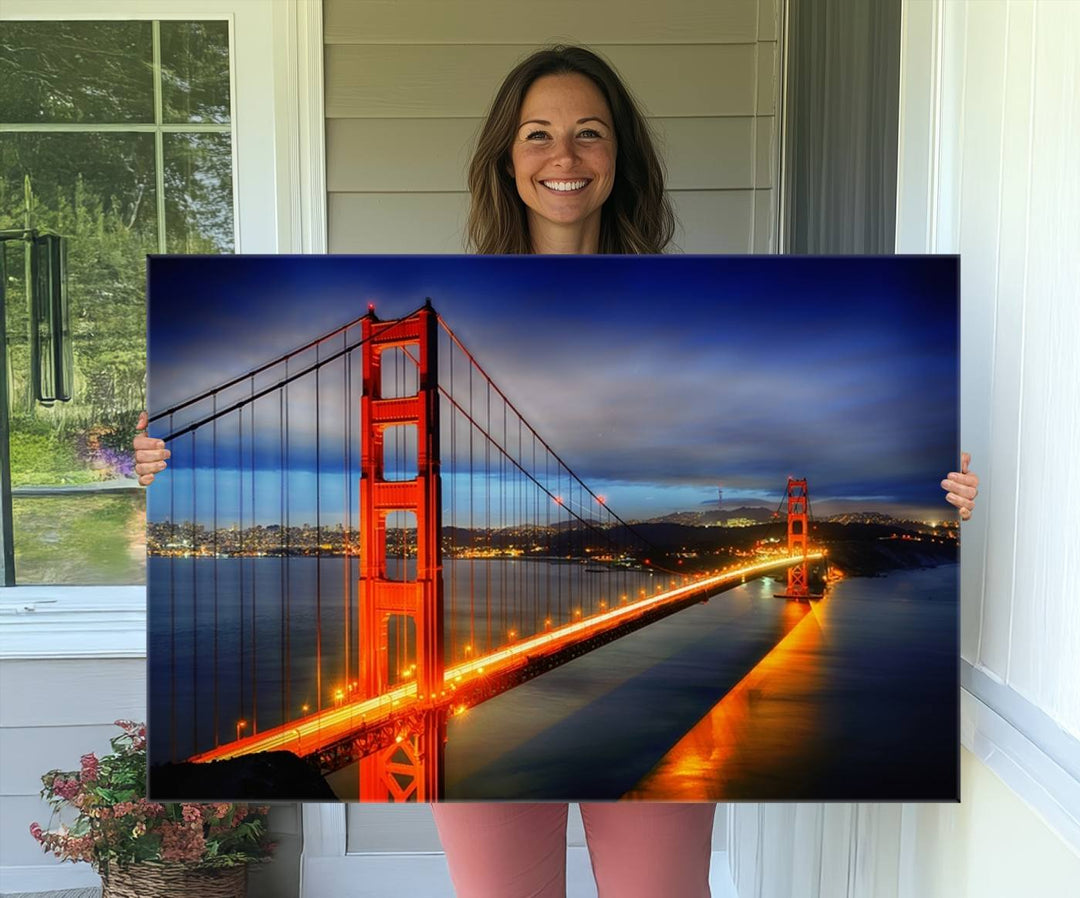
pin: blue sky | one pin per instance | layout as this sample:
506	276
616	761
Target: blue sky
655	378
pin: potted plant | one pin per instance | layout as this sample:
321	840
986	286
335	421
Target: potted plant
142	847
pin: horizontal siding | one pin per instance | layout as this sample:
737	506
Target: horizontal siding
71	693
396	155
522	22
28	752
52	713
407	85
714	221
397	222
378	154
707	153
768	24
17	846
372	827
375	81
709	221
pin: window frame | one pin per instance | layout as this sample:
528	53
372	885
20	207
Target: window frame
276	90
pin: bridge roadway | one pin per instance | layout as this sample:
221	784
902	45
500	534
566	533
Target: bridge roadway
470	682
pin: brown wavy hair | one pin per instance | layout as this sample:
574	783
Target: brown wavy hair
637	216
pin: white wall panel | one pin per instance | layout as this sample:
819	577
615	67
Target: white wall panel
977	235
1010	274
1045	646
811	850
1006	195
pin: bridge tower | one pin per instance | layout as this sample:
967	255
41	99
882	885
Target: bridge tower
410	769
797	535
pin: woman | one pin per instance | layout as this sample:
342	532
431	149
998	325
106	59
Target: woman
565	164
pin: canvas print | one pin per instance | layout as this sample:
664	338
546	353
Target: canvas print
443	528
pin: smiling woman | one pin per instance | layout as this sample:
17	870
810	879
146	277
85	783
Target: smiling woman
562	117
563	162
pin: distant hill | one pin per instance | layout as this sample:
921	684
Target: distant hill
862	517
712	516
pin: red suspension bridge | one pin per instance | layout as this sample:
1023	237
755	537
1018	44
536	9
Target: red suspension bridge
480	561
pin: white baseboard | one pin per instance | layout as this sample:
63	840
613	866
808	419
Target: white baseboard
385	875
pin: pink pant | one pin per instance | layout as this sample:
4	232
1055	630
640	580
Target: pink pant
638	849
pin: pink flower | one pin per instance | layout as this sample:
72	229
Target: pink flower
89	767
36	832
65	788
148	808
181	842
191	813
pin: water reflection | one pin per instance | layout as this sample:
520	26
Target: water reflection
858	703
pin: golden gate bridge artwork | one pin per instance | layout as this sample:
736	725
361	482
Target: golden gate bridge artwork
393	722
362	541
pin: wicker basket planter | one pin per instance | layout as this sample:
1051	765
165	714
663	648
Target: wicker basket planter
150	880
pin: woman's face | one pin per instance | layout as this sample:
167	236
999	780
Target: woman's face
563	155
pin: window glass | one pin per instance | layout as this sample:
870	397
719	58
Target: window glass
198	193
65	72
195	71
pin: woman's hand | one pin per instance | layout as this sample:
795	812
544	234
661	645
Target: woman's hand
960	487
150	454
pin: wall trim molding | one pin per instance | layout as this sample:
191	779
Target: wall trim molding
918	127
300	113
999	727
48	622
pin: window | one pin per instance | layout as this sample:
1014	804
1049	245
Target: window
117	136
277	159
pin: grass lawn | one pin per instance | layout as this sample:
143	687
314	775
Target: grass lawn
81	539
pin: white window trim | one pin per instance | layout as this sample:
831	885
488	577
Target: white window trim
279	164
